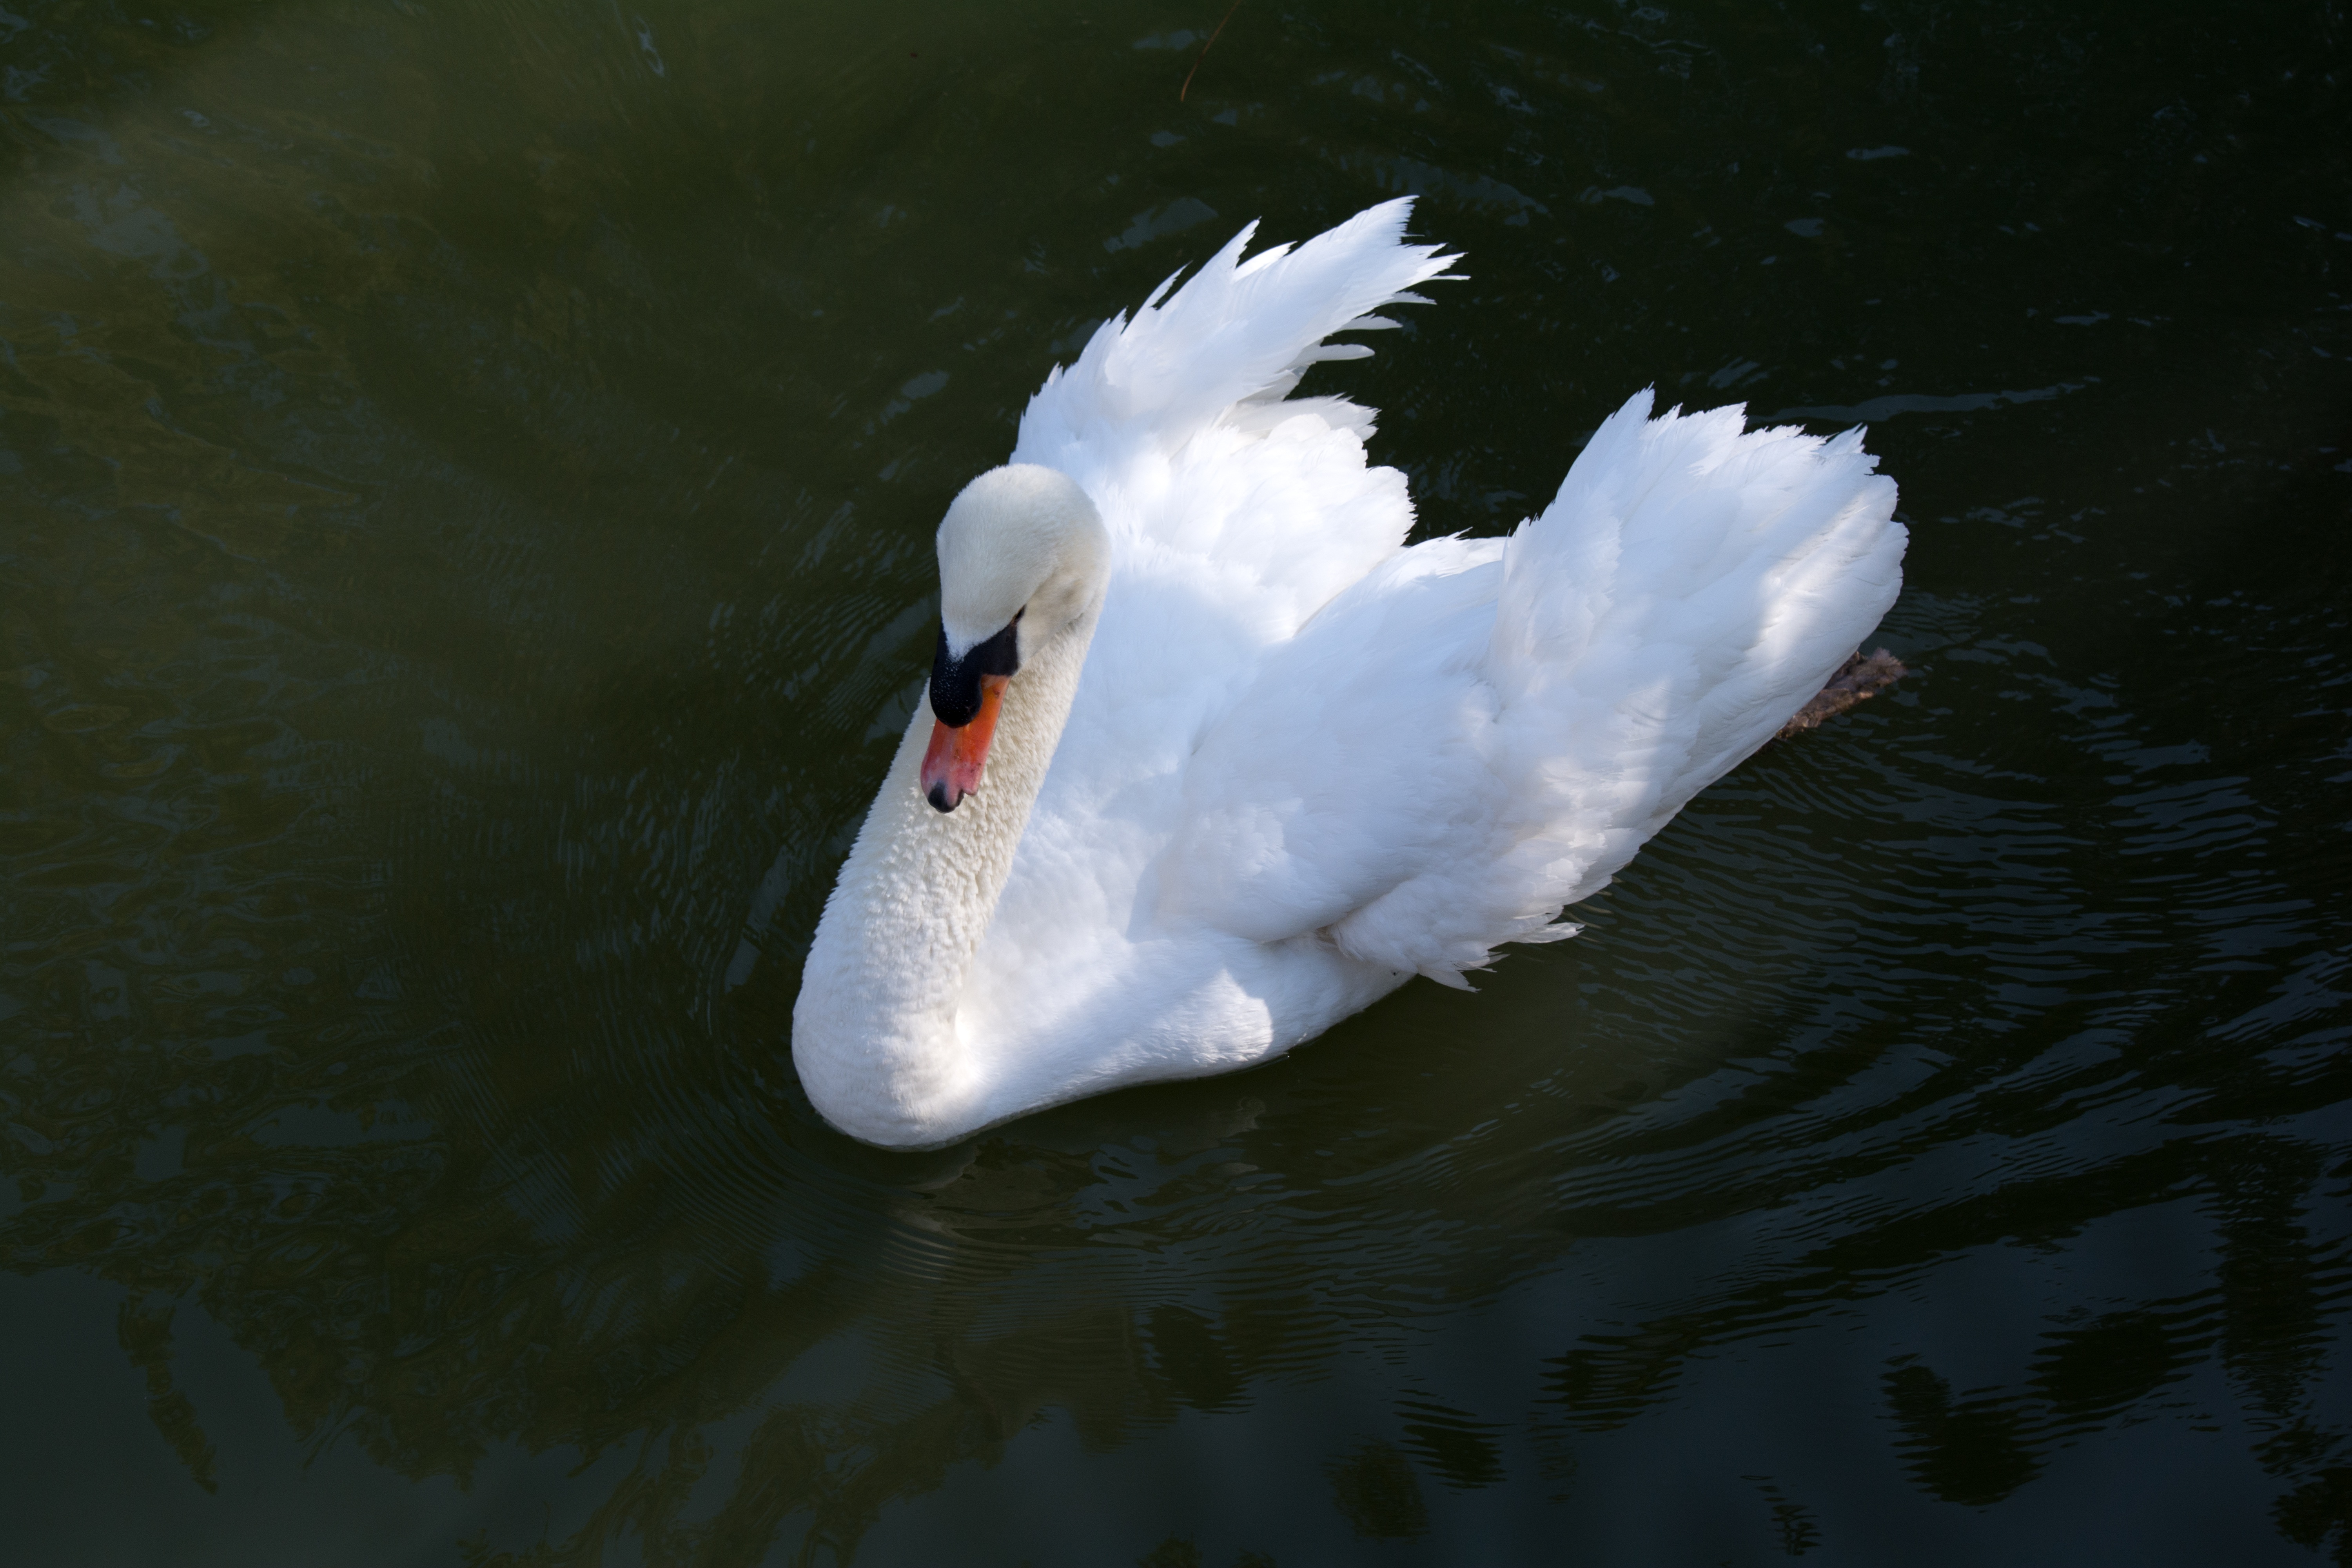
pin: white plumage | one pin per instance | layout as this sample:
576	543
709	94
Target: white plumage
1300	761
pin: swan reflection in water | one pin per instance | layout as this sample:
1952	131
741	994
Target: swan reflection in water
775	1337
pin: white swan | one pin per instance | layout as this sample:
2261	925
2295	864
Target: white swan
1249	762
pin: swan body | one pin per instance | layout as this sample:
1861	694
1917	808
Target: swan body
1213	759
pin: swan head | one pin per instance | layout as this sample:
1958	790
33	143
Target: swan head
1022	557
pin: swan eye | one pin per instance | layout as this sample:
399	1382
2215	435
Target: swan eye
955	682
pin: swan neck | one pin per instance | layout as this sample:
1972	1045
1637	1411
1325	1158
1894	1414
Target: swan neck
875	1033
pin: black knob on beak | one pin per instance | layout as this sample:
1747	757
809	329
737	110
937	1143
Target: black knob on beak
955	682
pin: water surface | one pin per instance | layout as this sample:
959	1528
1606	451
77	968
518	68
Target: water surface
466	475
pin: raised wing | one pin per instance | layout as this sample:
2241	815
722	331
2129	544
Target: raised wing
1504	728
1163	416
1235	514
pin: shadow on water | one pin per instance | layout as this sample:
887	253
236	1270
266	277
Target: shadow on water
468	481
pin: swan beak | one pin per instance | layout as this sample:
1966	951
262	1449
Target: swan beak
952	767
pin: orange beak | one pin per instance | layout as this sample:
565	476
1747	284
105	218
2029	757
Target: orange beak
952	767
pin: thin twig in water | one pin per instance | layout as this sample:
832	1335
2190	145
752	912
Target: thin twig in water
1204	52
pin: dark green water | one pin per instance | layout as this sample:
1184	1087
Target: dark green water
466	473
